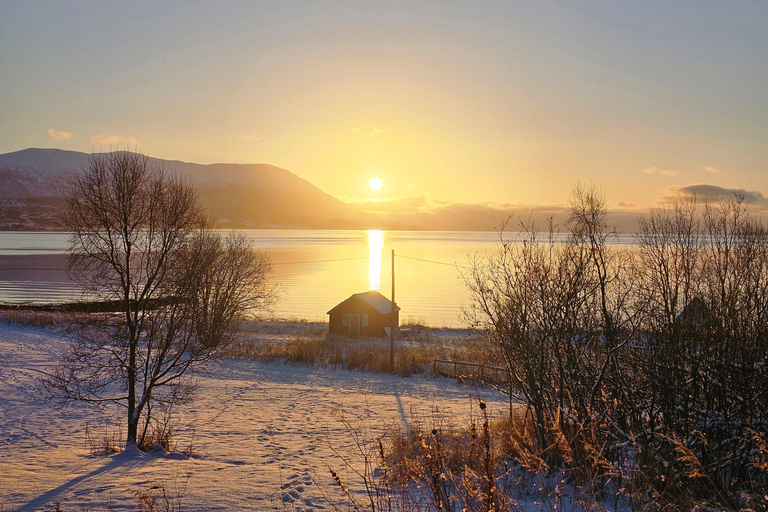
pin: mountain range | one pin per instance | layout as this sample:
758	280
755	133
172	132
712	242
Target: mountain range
243	196
33	184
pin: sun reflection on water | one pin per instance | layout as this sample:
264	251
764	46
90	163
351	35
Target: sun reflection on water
375	248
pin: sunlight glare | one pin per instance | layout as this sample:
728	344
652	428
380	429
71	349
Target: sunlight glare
375	184
375	248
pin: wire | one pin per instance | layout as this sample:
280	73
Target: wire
365	258
432	261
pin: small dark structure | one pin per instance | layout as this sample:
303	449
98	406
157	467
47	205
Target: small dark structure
695	313
363	314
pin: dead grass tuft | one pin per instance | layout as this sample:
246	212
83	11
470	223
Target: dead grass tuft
106	440
158	497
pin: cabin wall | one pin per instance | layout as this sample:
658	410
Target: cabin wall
376	321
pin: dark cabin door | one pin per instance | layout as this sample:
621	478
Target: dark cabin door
354	325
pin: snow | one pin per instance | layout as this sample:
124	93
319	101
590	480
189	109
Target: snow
263	436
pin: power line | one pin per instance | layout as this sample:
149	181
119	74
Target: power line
433	261
365	258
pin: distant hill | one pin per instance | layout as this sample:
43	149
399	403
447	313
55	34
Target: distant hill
32	185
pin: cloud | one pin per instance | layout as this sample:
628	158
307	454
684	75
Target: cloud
60	135
404	204
376	132
445	216
713	193
118	140
660	171
711	169
249	137
420	211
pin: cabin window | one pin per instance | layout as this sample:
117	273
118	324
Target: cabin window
365	320
345	319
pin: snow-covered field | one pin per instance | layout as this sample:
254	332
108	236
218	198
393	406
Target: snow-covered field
263	436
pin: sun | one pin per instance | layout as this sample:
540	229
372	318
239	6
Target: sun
375	183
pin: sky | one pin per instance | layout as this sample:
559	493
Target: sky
494	102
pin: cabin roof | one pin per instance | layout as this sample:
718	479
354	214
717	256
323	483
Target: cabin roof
374	299
695	312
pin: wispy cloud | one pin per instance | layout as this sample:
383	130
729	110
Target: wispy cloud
59	135
403	204
422	211
249	137
660	171
711	169
376	132
107	140
713	193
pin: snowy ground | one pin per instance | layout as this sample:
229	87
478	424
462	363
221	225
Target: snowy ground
263	435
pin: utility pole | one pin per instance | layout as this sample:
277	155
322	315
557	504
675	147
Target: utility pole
393	320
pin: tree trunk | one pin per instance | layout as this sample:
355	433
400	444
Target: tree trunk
133	418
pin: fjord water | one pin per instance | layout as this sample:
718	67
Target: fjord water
313	269
318	269
33	268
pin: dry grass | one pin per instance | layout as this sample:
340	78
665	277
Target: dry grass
35	318
495	464
106	440
158	497
443	465
312	346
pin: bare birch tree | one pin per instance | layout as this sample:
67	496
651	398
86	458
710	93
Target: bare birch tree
140	241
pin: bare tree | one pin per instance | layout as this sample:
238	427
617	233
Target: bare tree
635	356
704	278
516	302
532	299
140	240
614	312
561	311
670	272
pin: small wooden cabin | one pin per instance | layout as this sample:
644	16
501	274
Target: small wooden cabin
363	314
695	313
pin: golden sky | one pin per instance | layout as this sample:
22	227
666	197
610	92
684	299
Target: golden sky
446	102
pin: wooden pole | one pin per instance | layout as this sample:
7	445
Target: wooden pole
392	320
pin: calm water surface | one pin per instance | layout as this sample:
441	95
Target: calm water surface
319	269
315	270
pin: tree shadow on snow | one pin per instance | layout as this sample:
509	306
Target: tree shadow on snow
127	458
